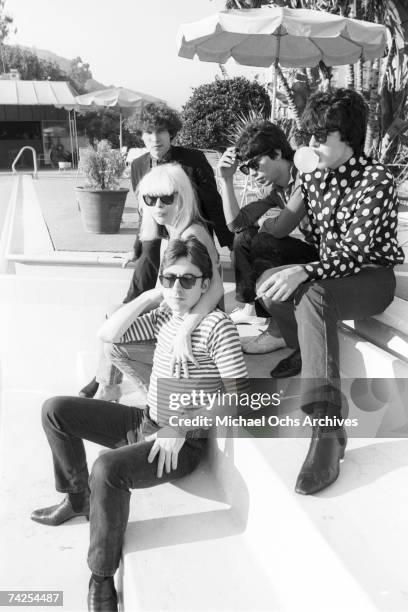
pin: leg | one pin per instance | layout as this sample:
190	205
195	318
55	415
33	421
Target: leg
113	475
67	421
245	289
267	254
315	311
134	359
146	270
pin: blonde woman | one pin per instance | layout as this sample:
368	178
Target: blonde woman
169	211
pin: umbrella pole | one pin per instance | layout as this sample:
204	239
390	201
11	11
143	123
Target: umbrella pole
275	74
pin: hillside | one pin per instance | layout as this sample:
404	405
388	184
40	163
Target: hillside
64	64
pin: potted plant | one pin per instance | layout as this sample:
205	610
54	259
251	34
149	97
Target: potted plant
101	200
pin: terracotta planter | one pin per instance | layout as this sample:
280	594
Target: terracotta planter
101	209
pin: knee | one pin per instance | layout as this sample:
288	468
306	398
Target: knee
112	351
52	411
105	471
243	239
311	294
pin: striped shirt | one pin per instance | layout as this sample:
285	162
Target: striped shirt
216	347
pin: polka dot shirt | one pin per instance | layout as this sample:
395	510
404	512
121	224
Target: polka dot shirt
353	212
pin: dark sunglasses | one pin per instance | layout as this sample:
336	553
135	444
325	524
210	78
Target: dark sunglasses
320	135
187	281
150	200
252	164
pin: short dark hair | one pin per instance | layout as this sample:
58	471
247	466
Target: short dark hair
193	250
159	116
260	136
340	109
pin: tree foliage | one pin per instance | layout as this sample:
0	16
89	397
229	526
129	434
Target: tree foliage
30	66
79	73
5	22
207	114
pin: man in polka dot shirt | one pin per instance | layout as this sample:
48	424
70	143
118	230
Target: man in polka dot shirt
352	207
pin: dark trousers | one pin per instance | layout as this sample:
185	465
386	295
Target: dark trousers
69	420
255	252
146	268
309	321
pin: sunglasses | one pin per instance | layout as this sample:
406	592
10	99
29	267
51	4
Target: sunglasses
187	281
320	135
252	164
150	200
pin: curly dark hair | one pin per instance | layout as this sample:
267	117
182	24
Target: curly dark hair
193	250
339	109
262	136
159	116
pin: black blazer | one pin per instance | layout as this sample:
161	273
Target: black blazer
202	177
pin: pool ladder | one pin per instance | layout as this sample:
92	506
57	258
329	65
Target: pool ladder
34	152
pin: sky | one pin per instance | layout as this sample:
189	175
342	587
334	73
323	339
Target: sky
128	43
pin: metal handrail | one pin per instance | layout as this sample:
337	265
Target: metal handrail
34	152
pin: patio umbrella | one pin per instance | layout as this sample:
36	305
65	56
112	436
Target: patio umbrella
293	38
115	97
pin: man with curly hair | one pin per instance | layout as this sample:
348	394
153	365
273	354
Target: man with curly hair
352	207
159	125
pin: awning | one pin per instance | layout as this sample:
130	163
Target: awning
37	93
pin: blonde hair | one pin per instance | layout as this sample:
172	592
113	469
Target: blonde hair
166	179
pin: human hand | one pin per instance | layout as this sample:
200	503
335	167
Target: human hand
281	284
167	448
182	354
127	258
228	163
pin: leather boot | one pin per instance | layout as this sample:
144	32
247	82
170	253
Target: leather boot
322	464
60	513
90	389
102	596
290	366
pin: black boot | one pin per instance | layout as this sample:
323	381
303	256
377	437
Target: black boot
102	596
322	464
90	389
64	511
290	366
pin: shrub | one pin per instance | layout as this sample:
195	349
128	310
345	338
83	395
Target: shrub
102	165
208	114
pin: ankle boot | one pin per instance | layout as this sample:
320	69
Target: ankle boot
102	595
90	389
322	464
61	513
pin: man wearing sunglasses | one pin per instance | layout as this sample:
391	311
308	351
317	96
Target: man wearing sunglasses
262	227
351	203
149	446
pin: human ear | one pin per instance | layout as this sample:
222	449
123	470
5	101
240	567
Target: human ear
205	283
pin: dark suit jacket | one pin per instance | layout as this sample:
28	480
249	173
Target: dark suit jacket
201	175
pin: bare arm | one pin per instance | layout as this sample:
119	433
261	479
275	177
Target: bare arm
117	324
210	299
290	217
227	167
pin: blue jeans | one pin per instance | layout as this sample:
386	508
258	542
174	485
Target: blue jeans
67	421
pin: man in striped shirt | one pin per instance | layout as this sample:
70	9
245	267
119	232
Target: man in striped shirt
145	449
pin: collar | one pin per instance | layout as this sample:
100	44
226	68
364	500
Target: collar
164	160
344	170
